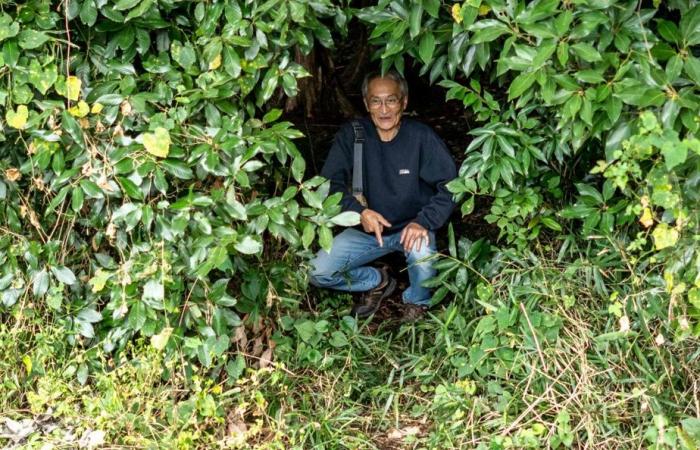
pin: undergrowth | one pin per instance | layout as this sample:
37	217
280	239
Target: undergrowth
542	357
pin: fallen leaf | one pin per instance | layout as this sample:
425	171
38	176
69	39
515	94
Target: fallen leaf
624	324
660	339
266	358
92	439
13	174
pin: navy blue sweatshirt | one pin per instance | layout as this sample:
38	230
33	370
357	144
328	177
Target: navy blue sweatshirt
404	179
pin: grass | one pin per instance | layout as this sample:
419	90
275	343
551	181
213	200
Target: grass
546	367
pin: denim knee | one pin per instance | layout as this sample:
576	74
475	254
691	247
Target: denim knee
319	275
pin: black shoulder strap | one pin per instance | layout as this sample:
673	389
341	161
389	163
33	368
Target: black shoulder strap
357	190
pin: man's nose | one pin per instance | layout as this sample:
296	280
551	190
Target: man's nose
384	108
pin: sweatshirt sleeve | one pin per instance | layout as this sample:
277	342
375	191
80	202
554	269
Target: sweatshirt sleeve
338	169
437	168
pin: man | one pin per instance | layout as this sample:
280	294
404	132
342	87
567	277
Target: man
405	169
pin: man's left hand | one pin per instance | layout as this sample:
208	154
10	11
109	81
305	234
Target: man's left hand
413	235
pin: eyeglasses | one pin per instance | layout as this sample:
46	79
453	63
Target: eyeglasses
390	102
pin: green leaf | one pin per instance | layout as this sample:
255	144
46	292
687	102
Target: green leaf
590	76
551	223
41	283
325	238
272	115
91	189
432	7
63	274
42	79
692	68
298	168
520	84
586	52
123	5
691	426
674	154
414	19
338	339
426	47
177	168
306	330
8	28
88	13
248	246
140	10
669	31
468	206
77	197
487	30
269	83
29	39
129	188
563	53
346	219
183	55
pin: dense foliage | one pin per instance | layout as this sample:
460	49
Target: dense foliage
574	78
141	190
151	195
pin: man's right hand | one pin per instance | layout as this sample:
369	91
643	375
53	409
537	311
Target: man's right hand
373	222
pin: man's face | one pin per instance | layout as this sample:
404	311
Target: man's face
385	104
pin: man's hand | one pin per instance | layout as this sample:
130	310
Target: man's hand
373	222
413	235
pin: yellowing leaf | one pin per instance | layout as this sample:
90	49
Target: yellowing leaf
664	236
99	281
215	63
647	218
484	9
73	85
80	110
17	119
157	143
457	13
159	341
97	108
27	363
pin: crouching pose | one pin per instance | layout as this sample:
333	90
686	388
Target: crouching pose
405	167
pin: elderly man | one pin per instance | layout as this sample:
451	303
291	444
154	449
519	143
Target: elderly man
405	169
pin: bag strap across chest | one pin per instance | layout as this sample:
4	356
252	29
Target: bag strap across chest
357	189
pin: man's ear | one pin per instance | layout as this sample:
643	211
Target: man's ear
405	102
364	100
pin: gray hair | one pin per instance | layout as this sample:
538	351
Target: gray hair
391	75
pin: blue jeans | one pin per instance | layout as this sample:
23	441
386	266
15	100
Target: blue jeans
344	267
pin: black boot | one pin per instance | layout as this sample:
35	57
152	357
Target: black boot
370	301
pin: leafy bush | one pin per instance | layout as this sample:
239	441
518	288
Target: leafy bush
550	84
553	87
147	188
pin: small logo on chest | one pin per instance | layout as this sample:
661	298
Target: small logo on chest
404	172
